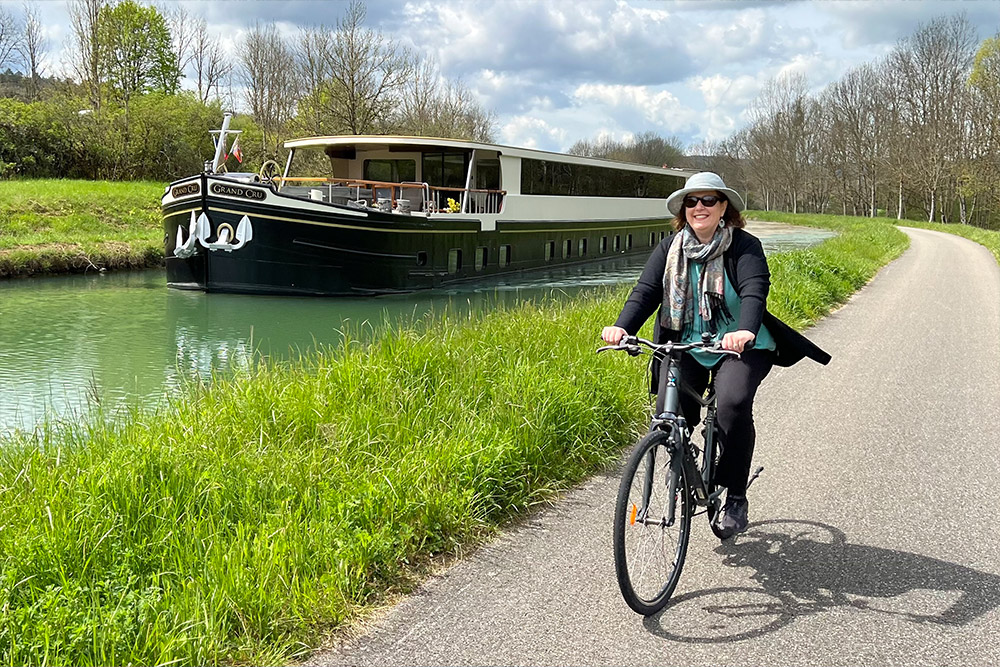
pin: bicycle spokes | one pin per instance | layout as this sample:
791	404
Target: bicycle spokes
652	521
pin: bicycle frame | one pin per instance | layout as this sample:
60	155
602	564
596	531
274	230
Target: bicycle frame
672	420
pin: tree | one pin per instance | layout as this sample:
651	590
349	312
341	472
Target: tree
210	63
933	67
983	172
32	49
432	106
86	58
644	148
271	87
183	28
136	54
368	74
857	132
985	75
10	37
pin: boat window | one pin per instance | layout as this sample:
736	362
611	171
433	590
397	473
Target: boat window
604	244
661	236
550	250
567	247
454	171
628	242
445	170
421	258
454	260
488	174
583	247
652	239
505	255
618	242
481	258
390	171
551	177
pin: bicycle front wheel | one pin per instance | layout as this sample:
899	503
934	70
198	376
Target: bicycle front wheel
650	540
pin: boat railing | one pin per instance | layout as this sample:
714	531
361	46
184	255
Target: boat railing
419	195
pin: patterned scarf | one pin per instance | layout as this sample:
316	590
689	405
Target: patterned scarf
678	297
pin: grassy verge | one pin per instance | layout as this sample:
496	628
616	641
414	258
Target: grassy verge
60	226
256	513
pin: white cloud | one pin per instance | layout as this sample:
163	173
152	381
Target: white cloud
657	107
723	91
531	132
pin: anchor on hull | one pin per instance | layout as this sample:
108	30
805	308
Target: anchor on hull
200	230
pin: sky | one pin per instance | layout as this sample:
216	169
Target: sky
557	71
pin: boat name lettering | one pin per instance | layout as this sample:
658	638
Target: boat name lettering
185	190
237	191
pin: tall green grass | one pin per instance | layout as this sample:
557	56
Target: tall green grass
259	511
53	226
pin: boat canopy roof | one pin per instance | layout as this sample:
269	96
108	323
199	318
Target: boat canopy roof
426	144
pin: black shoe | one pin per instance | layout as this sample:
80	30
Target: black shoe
733	519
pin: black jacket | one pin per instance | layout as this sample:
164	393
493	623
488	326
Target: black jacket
747	270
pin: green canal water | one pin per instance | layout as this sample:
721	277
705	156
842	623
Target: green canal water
124	339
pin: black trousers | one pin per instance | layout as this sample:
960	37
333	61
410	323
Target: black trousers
736	383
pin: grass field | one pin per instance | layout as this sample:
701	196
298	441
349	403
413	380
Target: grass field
59	226
258	512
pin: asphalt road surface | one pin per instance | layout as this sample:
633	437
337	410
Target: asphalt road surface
875	528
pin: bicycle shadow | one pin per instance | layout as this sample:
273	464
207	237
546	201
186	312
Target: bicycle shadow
807	567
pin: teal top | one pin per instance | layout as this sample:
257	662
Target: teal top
692	334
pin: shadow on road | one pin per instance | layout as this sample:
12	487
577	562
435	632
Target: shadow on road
807	567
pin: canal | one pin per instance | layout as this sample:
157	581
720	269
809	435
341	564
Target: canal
124	339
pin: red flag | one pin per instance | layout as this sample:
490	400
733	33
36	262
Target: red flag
237	153
225	150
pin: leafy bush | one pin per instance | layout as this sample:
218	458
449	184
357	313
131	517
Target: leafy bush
157	137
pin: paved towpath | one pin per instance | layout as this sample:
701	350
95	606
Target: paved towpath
875	530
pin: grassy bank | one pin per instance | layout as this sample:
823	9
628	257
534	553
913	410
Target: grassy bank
258	512
60	226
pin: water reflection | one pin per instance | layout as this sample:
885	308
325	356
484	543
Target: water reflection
124	338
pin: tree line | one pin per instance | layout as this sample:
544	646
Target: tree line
914	134
123	113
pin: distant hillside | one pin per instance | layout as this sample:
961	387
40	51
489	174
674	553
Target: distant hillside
15	85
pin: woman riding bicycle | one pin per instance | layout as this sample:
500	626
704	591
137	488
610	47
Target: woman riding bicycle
712	276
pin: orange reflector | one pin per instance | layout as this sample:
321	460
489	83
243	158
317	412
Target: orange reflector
631	518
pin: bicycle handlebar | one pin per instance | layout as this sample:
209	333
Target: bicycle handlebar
634	346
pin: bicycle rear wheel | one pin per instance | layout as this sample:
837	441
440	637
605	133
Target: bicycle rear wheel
649	550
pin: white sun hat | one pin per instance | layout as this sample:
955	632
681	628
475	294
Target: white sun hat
700	182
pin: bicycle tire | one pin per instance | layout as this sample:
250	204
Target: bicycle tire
647	586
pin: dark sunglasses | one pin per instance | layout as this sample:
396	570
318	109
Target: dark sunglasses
708	200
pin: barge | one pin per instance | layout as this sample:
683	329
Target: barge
361	215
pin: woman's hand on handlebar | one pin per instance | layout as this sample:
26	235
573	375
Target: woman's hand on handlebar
613	335
735	340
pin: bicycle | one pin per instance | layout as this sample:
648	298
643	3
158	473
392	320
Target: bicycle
665	477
